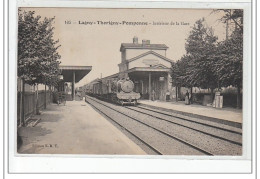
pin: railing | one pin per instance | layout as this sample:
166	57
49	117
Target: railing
30	101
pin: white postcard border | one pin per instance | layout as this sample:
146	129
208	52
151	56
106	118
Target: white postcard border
129	164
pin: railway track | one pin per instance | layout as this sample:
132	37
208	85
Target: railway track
162	126
196	127
144	139
103	113
222	127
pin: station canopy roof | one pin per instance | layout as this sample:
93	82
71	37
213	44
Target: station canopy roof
80	72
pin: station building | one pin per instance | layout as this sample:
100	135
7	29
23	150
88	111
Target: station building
149	68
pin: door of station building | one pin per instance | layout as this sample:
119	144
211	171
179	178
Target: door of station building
156	86
141	88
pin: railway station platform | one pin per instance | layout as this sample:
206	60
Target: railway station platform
229	116
75	128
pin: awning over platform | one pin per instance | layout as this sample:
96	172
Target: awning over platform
80	72
74	74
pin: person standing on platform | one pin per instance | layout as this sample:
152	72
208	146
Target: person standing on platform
187	98
168	95
153	95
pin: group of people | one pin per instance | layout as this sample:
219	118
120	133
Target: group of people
187	97
167	95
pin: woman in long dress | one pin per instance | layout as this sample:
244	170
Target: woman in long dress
187	101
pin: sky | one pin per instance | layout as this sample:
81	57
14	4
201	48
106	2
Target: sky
98	45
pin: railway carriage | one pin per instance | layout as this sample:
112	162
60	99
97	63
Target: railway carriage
117	91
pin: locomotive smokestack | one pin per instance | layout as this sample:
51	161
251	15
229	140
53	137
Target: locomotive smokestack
135	40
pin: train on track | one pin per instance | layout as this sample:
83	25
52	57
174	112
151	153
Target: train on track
118	91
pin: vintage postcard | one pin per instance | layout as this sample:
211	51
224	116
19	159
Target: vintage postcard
131	82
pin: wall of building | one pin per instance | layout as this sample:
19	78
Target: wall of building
141	61
122	67
123	56
131	53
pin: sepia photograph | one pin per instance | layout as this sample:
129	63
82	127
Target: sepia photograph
130	81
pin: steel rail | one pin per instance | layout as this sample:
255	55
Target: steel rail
206	133
169	135
231	131
148	145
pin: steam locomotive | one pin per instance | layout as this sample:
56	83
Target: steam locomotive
117	91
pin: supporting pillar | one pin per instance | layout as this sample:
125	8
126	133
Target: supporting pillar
142	86
73	86
150	86
168	85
